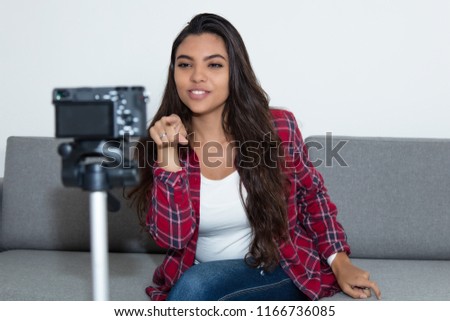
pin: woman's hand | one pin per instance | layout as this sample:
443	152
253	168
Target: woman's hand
352	280
167	133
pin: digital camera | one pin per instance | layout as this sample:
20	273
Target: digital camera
100	112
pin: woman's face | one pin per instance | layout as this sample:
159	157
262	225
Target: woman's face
201	73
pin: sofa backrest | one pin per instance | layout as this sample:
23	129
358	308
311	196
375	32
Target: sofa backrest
393	197
40	213
393	194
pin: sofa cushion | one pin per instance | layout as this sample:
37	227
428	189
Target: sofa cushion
392	193
40	213
60	275
406	280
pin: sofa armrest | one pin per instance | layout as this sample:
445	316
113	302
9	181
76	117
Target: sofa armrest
1	197
1	211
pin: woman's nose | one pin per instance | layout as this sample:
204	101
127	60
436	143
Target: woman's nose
198	75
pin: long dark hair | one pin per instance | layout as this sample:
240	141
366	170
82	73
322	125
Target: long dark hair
247	121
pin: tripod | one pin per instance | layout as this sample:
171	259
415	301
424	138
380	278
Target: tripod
98	166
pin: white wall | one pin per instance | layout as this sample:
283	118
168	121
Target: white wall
365	68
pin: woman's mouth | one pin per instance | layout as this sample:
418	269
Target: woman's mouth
198	93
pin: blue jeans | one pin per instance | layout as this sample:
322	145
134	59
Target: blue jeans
234	280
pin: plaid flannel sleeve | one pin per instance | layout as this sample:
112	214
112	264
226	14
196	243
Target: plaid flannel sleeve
170	219
316	210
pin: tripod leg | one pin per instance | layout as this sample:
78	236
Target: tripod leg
99	245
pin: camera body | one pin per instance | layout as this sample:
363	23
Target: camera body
100	112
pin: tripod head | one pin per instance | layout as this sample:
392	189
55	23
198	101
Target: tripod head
97	165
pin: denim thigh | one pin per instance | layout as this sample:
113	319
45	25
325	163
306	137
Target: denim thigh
234	280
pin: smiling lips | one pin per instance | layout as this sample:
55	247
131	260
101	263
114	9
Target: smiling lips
198	94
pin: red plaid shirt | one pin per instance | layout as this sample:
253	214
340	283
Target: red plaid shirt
315	234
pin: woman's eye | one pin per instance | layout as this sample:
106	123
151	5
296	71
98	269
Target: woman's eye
183	65
216	66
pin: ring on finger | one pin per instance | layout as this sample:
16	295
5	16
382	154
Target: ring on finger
162	135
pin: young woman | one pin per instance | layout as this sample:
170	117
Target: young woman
228	189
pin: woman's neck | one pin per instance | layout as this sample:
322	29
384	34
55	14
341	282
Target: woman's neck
208	128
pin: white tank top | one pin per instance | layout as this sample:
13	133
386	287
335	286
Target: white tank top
224	231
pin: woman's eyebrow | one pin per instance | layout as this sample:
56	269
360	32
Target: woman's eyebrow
214	56
204	59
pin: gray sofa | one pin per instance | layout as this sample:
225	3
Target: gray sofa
393	196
